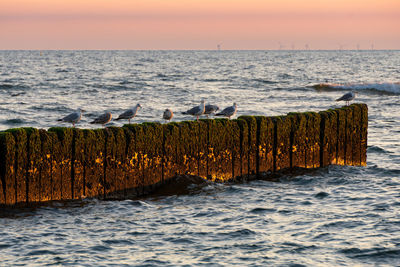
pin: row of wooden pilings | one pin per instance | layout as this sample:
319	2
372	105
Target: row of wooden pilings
121	162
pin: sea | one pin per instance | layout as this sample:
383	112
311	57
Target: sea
333	216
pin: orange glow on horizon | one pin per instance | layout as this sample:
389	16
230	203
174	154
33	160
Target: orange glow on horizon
199	24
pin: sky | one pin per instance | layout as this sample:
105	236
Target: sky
199	24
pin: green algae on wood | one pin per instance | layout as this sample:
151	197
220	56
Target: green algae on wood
170	160
299	135
329	137
252	145
243	157
7	168
188	148
356	135
363	134
78	162
152	147
62	180
120	156
140	153
202	147
219	150
282	143
115	156
341	135
94	163
65	163
21	160
132	164
148	146
313	154
33	166
46	164
236	147
349	130
265	144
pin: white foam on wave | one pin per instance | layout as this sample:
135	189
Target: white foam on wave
393	88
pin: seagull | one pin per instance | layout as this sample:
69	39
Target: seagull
103	119
348	97
196	111
228	112
129	114
73	117
210	109
168	114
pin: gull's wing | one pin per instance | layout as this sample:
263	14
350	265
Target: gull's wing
345	97
71	117
193	111
227	111
126	115
104	118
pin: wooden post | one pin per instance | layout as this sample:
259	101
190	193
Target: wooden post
7	169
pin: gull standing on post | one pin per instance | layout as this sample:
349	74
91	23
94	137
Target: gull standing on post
228	112
103	119
210	109
196	111
73	117
129	114
168	114
348	97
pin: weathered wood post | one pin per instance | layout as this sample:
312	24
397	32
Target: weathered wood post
117	163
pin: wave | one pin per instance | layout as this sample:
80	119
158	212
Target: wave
211	80
377	149
374	253
13	121
10	87
388	88
6	86
265	81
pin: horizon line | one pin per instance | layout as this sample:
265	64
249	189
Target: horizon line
201	49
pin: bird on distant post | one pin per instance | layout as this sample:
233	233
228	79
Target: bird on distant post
196	111
102	119
73	117
168	114
348	97
129	114
228	112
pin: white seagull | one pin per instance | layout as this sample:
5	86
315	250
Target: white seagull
168	114
73	117
103	119
196	111
348	97
129	114
228	112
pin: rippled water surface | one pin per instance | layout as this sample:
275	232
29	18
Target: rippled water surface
347	216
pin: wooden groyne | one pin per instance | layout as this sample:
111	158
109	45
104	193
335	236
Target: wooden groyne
122	162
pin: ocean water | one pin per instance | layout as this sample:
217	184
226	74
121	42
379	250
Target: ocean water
334	216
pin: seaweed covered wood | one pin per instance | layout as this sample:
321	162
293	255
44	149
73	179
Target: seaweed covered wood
7	169
62	163
20	164
117	163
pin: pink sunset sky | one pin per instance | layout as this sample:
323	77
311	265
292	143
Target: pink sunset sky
199	24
